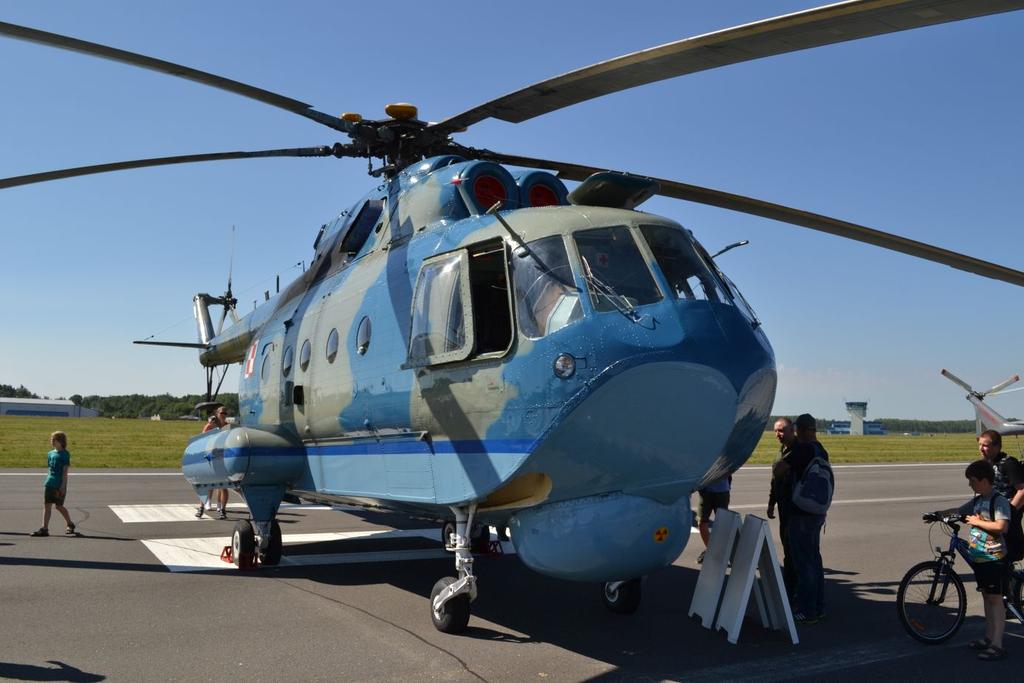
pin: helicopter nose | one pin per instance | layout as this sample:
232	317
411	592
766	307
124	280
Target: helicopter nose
657	428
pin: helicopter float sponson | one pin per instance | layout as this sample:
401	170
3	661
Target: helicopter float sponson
486	348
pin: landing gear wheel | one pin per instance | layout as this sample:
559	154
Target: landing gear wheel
480	539
243	545
623	599
446	534
454	614
272	555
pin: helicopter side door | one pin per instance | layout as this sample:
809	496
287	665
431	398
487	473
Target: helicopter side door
268	360
461	332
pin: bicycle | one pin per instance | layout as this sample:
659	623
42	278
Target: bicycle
931	601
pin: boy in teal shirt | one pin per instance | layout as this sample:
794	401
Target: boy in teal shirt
55	488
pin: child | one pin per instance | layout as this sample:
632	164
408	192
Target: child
55	487
988	514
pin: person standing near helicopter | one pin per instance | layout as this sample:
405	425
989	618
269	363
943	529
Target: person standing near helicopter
220	496
780	492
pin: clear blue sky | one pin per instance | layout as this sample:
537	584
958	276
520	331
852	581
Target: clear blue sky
916	133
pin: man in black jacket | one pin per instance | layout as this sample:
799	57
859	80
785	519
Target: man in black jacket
1009	482
804	527
780	492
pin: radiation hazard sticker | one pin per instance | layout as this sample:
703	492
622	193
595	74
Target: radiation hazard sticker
660	534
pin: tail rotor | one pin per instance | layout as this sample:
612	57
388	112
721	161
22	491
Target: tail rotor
979	394
228	301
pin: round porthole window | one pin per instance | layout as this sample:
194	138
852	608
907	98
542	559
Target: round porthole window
363	335
286	362
332	346
304	356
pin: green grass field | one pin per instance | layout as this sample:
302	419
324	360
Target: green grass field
99	442
24	442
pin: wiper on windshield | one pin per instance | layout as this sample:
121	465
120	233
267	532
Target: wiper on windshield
621	303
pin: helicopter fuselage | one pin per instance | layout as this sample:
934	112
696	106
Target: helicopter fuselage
574	371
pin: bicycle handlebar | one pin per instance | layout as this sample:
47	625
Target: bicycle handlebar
944	517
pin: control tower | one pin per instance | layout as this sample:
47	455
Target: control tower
857	410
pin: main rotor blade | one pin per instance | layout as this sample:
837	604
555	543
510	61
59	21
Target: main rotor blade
161	161
172	69
785	214
815	27
179	345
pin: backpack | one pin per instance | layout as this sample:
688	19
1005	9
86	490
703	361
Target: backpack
1015	532
813	492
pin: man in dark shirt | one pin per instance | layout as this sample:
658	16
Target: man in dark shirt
780	492
1009	482
804	527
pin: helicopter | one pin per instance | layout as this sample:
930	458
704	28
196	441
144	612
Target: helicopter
473	344
985	416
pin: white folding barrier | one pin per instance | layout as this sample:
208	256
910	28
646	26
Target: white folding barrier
741	561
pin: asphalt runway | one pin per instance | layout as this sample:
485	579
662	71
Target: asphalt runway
105	606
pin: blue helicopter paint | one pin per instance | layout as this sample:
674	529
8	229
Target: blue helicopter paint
485	348
665	395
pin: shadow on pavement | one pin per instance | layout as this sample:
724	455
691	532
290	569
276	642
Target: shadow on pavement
62	672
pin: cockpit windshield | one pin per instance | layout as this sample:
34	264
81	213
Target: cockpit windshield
546	296
617	275
686	273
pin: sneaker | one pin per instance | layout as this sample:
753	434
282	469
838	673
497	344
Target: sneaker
802	618
41	531
700	558
199	512
223	514
70	531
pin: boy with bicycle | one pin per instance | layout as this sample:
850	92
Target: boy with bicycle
988	515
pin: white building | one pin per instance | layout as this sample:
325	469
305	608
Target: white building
44	407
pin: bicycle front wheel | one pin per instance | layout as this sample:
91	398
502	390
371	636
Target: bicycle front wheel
1016	589
931	602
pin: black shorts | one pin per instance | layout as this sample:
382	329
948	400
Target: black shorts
992	577
711	501
52	496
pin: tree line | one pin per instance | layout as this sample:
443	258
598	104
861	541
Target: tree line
168	407
895	425
132	405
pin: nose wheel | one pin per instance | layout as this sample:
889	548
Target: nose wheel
450	596
452	616
622	597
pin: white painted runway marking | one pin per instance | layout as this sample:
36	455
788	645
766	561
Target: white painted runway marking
875	465
95	474
184	512
868	501
203	554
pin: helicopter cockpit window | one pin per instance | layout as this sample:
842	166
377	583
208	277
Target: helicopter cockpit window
614	269
546	295
685	271
361	226
442	320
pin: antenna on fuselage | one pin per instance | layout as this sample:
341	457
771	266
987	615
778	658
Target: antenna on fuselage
741	243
